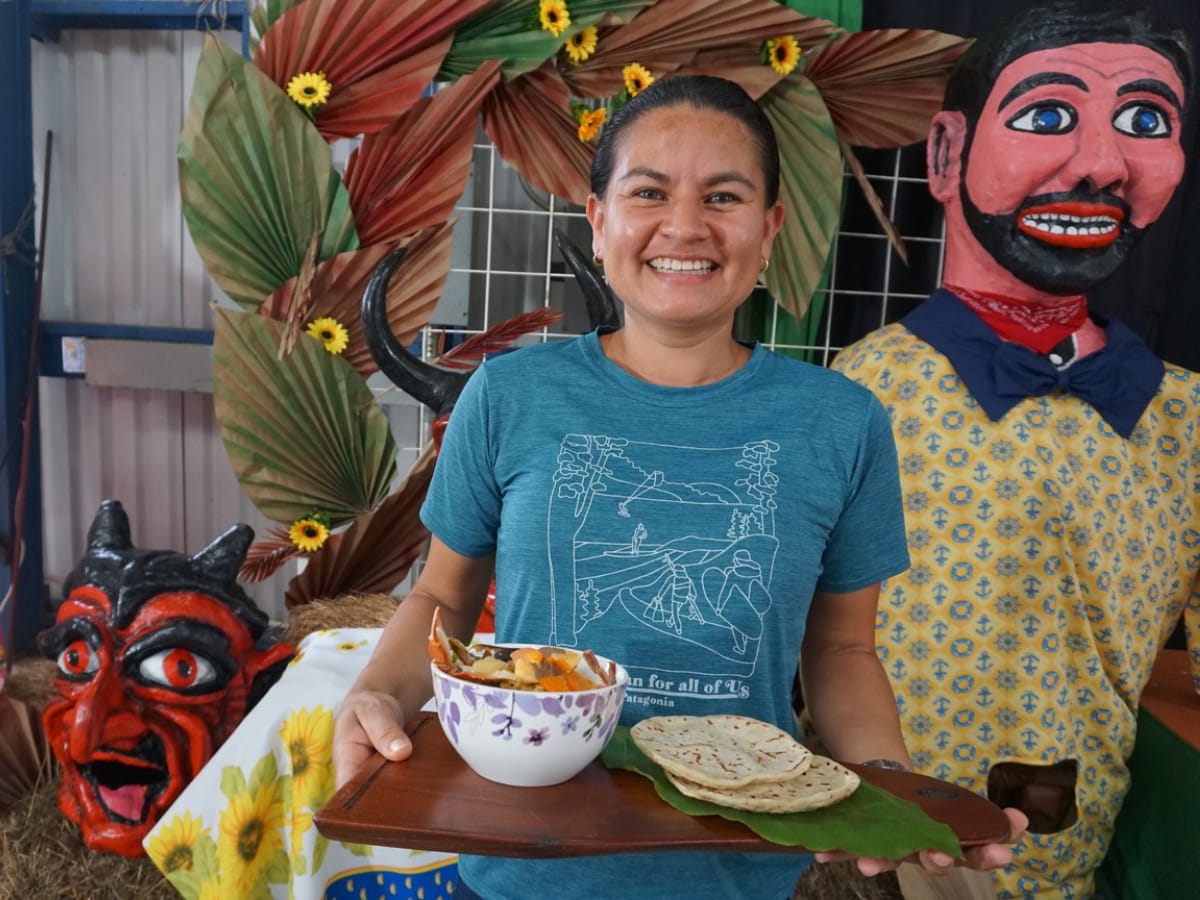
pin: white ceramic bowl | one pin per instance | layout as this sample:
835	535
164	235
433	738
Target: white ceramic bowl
527	738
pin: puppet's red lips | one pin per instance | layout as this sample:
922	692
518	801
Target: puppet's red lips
1082	226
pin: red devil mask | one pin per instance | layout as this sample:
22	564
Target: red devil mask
157	664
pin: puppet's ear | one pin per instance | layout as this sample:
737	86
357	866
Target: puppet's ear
944	154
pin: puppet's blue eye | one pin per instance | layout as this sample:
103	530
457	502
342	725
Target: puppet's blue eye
1142	120
1044	118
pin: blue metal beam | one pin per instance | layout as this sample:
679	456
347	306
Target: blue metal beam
18	214
51	17
50	343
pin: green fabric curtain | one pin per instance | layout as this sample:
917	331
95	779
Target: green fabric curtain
1153	854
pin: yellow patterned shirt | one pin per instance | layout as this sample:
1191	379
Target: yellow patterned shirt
1051	559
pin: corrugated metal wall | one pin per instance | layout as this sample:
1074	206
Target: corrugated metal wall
117	251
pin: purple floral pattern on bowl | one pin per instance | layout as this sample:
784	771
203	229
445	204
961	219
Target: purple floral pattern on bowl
527	738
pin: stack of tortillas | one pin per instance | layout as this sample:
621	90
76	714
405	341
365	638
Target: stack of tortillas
742	763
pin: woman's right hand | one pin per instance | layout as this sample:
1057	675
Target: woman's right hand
369	722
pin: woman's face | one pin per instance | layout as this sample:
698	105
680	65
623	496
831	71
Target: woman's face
684	226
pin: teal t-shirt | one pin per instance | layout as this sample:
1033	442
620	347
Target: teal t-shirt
680	531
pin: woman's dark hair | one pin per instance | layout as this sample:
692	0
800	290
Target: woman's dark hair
1060	23
701	92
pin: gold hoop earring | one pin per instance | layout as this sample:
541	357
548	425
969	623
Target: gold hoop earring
597	261
765	264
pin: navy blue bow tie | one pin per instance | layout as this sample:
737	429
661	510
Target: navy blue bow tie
1020	373
1119	381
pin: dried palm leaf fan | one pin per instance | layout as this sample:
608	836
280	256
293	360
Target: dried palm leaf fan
25	758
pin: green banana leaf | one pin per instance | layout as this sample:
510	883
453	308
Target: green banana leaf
810	188
304	433
510	31
256	179
589	12
870	822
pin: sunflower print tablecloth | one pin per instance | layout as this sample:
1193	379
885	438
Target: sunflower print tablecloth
244	827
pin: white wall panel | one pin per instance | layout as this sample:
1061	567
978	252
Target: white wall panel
118	252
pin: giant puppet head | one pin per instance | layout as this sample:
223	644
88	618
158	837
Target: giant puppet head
1058	144
157	664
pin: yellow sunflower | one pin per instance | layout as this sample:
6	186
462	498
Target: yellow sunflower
308	740
309	533
581	45
783	53
302	824
249	839
329	332
589	124
554	16
309	89
172	847
637	78
212	890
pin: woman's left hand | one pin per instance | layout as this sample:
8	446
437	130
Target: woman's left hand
986	856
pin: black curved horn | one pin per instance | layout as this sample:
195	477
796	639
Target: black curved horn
434	387
224	556
109	530
601	302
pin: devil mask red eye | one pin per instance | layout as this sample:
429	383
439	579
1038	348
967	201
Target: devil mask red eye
78	660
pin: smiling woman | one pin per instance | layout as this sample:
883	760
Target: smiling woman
684	213
699	510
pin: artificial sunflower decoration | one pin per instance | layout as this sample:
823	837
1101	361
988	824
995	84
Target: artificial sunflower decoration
329	332
782	54
637	78
309	89
581	45
554	16
309	533
590	123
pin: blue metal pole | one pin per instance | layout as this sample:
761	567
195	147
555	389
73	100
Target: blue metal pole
22	615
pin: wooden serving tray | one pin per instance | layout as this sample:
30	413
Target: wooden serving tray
434	801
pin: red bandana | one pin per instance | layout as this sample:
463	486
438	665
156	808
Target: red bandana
1033	325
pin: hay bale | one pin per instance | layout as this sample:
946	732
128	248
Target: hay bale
42	854
346	611
31	681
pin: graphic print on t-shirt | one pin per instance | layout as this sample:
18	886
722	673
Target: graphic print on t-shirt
677	540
